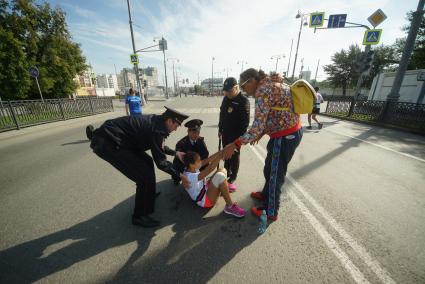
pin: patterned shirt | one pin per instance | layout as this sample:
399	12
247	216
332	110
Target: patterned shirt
274	110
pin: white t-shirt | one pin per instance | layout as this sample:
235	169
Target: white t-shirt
195	184
319	100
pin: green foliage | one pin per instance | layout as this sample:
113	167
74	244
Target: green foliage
417	59
36	35
341	71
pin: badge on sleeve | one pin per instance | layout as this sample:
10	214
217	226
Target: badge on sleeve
230	110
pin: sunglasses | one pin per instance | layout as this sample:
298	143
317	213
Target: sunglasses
244	83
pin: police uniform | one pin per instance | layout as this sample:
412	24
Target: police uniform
185	145
123	143
233	123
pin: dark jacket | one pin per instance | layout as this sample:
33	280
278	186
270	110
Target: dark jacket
184	145
234	117
142	133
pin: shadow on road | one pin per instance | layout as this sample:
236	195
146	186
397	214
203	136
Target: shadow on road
198	249
76	142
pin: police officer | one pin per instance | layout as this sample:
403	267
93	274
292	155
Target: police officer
123	143
192	142
234	121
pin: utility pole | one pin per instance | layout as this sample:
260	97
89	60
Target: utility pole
165	70
242	62
408	49
317	69
289	61
278	56
136	66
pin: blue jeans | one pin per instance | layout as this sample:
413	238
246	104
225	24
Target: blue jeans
279	154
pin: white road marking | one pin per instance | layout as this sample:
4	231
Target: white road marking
377	145
373	264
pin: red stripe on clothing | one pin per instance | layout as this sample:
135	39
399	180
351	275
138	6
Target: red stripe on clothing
286	131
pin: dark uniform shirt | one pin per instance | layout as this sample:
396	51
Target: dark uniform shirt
234	117
185	145
142	133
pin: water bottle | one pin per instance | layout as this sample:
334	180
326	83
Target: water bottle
263	222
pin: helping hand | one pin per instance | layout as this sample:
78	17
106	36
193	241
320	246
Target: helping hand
180	155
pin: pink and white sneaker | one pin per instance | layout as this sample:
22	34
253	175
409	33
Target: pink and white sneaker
234	210
232	187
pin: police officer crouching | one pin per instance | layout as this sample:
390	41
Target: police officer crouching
123	143
192	142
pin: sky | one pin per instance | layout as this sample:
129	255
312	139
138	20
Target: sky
231	31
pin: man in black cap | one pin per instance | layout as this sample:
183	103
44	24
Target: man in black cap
192	142
234	121
123	143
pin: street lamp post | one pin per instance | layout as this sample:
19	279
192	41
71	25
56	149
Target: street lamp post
277	57
212	75
227	71
289	61
174	72
303	21
242	62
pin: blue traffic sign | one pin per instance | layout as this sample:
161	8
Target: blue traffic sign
317	19
33	71
372	37
337	21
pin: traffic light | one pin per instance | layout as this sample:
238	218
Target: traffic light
363	62
163	44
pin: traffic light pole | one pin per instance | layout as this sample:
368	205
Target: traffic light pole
136	66
361	77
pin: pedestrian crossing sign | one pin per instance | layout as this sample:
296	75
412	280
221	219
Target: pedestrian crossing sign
134	58
317	19
372	37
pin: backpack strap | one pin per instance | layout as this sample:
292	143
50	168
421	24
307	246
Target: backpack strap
280	108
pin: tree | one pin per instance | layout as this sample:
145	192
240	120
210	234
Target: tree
36	35
342	72
417	60
385	59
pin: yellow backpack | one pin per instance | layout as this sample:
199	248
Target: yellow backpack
303	97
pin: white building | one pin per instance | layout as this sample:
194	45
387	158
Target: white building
306	75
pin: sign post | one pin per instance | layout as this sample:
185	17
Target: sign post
377	17
337	21
34	73
134	58
372	37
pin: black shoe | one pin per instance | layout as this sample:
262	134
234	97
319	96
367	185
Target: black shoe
144	221
320	125
309	127
89	131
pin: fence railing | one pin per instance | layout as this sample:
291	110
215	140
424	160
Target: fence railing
406	115
17	114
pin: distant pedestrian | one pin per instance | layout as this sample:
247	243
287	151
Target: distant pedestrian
233	122
316	110
133	104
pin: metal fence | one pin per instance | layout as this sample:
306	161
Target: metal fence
407	115
17	114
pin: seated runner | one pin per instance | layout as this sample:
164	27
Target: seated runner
205	193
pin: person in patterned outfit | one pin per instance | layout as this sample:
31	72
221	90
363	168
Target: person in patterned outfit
274	116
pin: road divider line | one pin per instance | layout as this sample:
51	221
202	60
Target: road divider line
361	251
325	235
377	145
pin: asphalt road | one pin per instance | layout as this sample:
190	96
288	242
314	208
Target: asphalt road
353	211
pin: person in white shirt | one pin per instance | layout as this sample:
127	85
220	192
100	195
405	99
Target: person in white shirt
316	110
206	192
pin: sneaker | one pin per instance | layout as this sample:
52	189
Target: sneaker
320	125
89	131
234	210
309	127
257	212
257	195
232	187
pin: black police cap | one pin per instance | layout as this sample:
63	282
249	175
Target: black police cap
194	124
175	115
229	83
